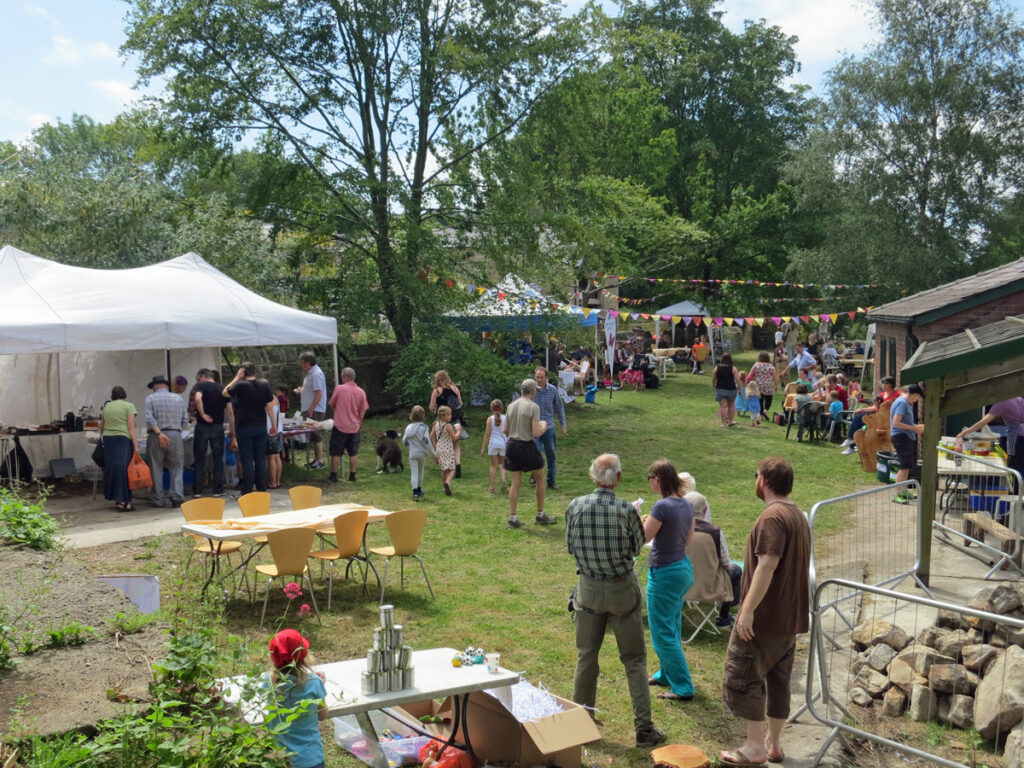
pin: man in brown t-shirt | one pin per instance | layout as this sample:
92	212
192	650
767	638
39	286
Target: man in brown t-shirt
773	611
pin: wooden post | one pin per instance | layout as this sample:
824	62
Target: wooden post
929	474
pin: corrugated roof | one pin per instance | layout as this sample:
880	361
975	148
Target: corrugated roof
950	298
987	345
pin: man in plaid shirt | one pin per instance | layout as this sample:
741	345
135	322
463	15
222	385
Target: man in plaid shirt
605	535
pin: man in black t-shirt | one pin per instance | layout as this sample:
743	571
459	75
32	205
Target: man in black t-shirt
254	406
211	406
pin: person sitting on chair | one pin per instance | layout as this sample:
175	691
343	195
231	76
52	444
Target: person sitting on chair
735	571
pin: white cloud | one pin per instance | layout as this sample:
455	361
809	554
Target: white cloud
119	90
38	10
70	53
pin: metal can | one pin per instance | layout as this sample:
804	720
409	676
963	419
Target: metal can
380	682
380	638
396	636
405	657
395	679
396	658
373	660
368	683
408	678
385	661
387	616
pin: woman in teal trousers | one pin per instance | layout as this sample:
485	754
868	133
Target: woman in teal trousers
670	576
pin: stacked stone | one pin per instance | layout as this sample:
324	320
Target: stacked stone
388	662
964	671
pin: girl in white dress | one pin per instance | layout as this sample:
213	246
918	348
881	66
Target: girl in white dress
494	443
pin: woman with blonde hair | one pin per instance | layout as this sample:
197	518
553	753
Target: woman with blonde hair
446	393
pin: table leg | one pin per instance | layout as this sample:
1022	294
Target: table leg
465	729
214	557
376	753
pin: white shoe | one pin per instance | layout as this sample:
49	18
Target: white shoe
846	443
848	450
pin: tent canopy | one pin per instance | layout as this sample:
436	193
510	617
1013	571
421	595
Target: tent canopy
177	304
684	309
513	304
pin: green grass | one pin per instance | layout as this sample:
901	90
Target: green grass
507	590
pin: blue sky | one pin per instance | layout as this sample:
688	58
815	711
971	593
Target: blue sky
59	57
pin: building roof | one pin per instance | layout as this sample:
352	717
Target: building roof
685	309
951	298
988	345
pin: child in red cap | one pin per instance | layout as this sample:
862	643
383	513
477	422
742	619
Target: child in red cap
298	688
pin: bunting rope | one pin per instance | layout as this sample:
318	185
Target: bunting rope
716	281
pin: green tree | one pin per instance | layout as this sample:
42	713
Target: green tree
381	103
116	195
921	144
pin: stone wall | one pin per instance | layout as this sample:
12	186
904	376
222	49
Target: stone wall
963	671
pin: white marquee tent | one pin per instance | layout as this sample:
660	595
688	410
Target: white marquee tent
67	334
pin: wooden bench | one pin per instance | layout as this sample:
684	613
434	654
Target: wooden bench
977	524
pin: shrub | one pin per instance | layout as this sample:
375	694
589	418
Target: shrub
439	345
23	523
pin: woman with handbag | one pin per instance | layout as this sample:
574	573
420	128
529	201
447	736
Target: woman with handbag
446	393
117	433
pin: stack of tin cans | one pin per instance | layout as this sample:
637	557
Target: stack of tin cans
388	662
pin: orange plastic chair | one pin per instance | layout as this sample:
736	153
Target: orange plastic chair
253	504
405	528
203	510
290	550
305	496
349	529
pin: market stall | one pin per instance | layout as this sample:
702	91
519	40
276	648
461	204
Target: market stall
67	334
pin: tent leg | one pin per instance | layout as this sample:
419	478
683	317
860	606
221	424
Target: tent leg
337	373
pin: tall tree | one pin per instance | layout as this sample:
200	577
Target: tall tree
117	195
382	102
735	117
922	143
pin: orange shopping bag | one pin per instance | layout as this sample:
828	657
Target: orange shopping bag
139	476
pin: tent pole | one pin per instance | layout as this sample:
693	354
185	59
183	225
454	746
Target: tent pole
60	404
337	374
167	363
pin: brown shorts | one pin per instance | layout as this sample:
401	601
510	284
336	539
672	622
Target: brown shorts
757	676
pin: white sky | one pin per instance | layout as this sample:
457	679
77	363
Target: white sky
59	57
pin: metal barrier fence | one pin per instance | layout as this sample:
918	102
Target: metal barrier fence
947	661
980	492
887	553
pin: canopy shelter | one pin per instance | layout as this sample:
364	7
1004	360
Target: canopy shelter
515	305
683	309
68	333
969	369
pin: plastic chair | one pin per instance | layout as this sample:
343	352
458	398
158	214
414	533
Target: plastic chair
205	509
711	585
405	528
253	504
305	496
349	528
290	550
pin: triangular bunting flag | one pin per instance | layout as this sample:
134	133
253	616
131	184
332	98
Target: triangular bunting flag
740	321
786	319
834	316
728	320
805	318
717	321
645	316
687	320
587	311
851	314
613	313
676	319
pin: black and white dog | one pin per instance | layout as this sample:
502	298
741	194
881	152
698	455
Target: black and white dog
389	452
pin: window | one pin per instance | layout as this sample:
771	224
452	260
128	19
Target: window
894	371
883	357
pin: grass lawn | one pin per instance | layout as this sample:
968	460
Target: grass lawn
507	590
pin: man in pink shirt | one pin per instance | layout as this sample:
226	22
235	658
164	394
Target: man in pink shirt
349	405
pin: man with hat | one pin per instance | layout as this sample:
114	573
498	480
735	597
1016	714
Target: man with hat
166	416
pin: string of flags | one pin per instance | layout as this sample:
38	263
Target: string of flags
640	302
721	281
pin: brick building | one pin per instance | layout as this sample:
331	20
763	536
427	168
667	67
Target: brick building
903	325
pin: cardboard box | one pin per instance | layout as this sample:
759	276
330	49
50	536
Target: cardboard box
557	739
412	712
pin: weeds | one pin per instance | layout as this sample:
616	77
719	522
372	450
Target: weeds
23	523
69	634
130	623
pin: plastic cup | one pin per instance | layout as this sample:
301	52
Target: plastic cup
493	661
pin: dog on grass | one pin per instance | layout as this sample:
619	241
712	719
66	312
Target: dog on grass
389	453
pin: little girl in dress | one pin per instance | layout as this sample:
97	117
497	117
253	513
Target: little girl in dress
753	401
443	437
494	443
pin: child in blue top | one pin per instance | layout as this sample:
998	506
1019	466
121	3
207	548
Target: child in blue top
741	397
297	687
835	408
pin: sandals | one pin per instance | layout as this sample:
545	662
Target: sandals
737	757
491	489
124	507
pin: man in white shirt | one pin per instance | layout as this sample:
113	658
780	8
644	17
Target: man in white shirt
313	401
803	359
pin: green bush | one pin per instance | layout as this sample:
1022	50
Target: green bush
24	523
439	345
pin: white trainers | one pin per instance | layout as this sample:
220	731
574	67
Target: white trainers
846	443
848	450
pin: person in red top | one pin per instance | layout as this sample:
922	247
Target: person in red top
349	405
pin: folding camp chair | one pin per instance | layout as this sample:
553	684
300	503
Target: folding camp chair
711	586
